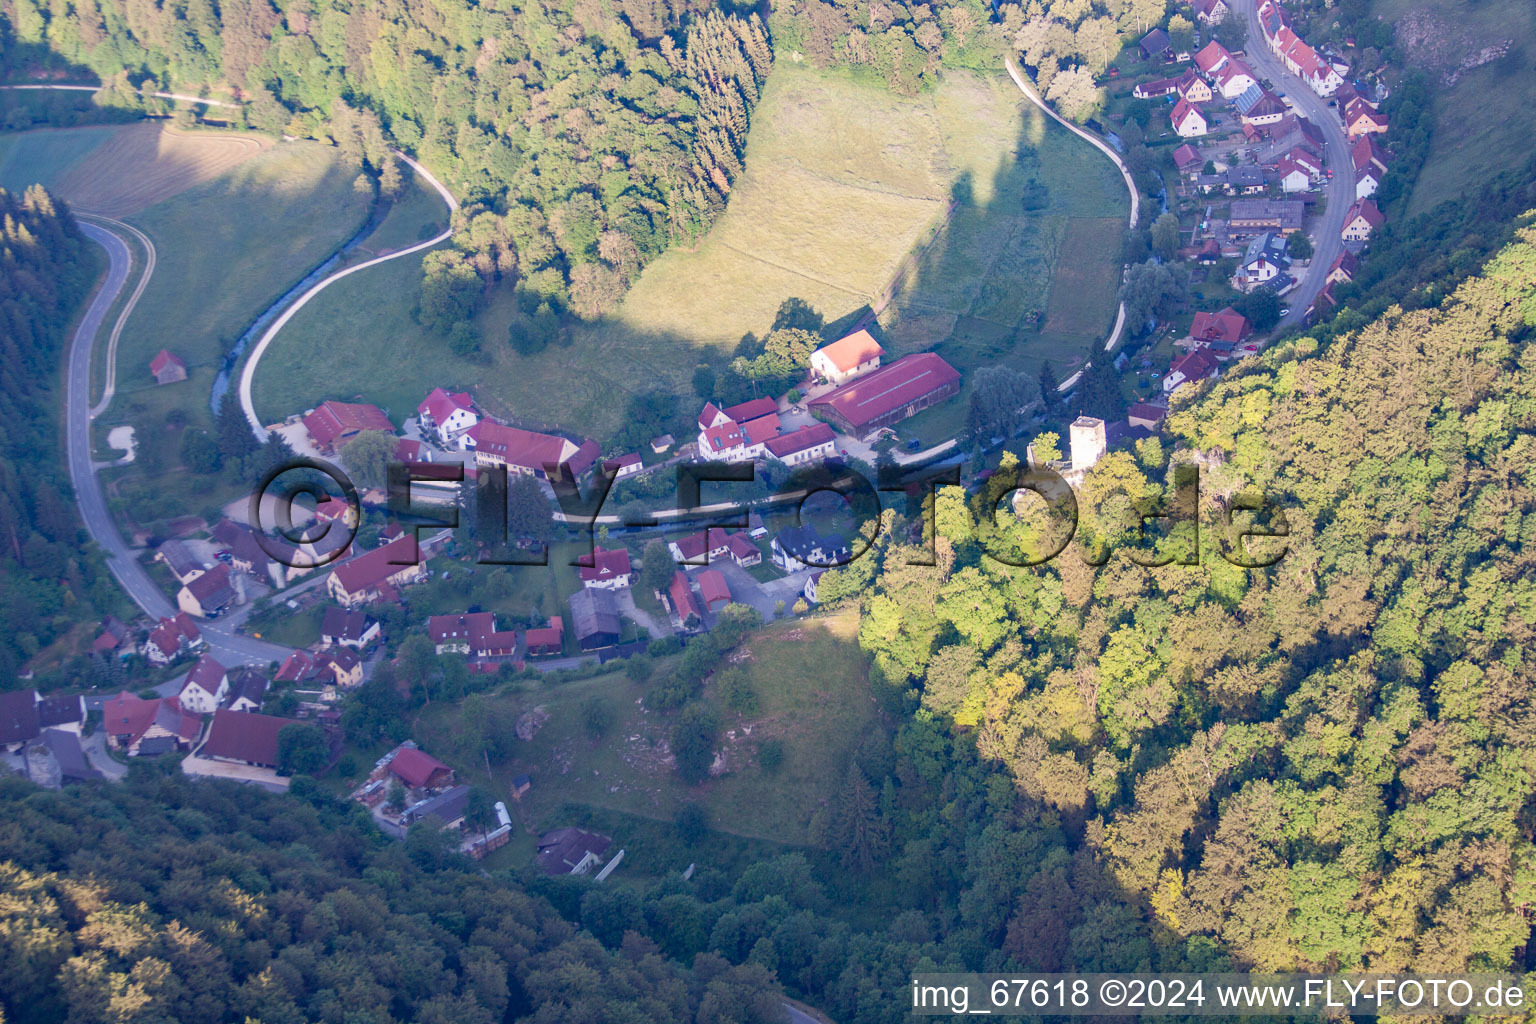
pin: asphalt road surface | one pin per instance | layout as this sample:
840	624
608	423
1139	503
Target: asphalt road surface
228	647
1339	190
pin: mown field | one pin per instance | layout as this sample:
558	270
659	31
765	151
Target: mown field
811	682
844	183
1484	120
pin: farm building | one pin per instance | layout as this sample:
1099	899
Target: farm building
333	424
595	619
167	367
890	394
847	358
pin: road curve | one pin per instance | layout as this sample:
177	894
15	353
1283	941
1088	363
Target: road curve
1021	80
248	372
1340	189
109	374
229	647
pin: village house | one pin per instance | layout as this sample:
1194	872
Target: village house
605	569
1289	133
808	444
1299	58
172	638
737	433
796	547
595	619
205	686
1192	88
1259	107
1360	118
346	627
18	719
332	424
1264	260
167	367
1246	180
1250	217
1187	159
1156	44
300	667
679	601
1146	415
1294	176
809	590
624	465
714	590
377	574
239	549
1193	366
1227	327
1187	120
1211	12
244	738
472	633
247	689
847	358
545	640
742	551
1367	182
209	594
447	416
700	548
1361	219
65	711
1156	88
179	559
142	728
1211	58
1367	152
1234	78
889	395
522	451
114	636
344	665
445	810
1343	268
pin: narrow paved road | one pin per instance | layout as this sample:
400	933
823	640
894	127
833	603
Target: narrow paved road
1339	190
225	645
109	371
248	373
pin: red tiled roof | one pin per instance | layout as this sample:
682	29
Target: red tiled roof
604	564
1367	151
407	450
1186	156
331	420
416	767
368	571
165	358
761	429
887	389
785	445
1227	325
439	405
207	673
169	634
295	668
741	547
1367	209
442	628
683	604
713	588
1211	56
244	736
517	446
1197	365
752	409
849	352
1182	110
623	462
1146	411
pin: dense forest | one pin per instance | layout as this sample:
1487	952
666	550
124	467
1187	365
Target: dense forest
47	582
164	899
1322	764
585	138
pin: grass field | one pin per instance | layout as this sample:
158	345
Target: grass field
810	678
1483	121
843	181
235	222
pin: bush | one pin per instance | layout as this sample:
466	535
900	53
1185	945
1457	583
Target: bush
596	717
692	822
770	755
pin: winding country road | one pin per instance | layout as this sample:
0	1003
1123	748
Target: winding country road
228	646
248	372
1340	189
117	227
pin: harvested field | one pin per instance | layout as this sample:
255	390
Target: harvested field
141	164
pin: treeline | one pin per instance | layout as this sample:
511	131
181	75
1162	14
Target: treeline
585	139
1065	44
1312	766
48	582
164	899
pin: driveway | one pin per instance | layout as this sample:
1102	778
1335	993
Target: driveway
1338	190
762	596
94	746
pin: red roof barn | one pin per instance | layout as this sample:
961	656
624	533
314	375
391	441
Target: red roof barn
335	423
167	367
420	770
